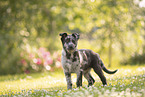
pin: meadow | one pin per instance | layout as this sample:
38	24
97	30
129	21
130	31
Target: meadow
129	81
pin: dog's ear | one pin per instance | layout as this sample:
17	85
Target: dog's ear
76	35
63	34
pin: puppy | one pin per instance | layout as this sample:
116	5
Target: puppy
80	61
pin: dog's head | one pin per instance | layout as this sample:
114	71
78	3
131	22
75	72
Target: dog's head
69	42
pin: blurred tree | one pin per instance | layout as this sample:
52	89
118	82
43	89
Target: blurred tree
116	22
25	22
37	23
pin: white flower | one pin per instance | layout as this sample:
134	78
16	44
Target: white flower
114	94
142	90
107	92
134	88
127	90
47	96
142	3
127	94
138	94
122	93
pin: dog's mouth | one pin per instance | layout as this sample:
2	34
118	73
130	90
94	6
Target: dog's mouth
70	49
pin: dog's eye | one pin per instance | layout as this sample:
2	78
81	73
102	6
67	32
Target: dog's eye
73	41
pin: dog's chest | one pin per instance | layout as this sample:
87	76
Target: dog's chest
71	64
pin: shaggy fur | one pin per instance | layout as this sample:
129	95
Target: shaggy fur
80	61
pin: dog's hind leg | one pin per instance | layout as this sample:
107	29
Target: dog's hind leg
98	71
90	79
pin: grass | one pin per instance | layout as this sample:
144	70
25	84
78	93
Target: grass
128	81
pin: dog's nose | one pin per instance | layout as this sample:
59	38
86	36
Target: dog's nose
70	47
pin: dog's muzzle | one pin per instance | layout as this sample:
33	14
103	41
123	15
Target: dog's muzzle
70	47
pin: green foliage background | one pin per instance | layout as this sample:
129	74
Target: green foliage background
113	28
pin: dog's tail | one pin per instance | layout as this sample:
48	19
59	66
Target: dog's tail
106	70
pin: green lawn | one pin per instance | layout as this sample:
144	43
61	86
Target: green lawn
128	81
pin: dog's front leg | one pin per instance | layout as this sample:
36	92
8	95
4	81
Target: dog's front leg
79	78
68	80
